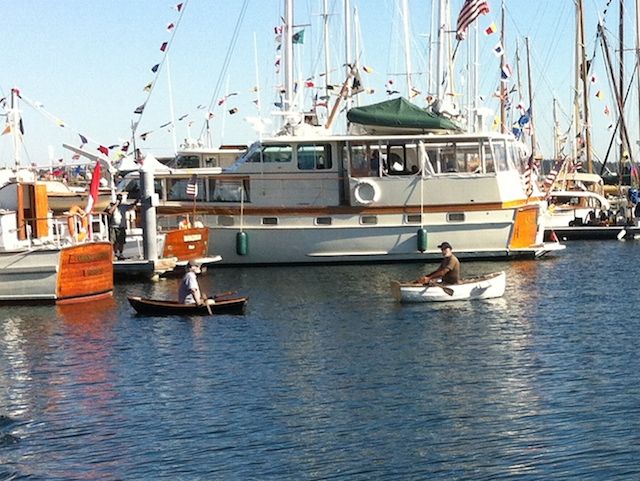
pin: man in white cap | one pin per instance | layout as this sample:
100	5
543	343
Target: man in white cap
189	291
448	270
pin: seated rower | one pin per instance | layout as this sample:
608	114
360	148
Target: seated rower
448	270
189	290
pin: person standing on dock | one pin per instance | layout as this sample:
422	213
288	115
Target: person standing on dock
189	290
448	270
117	212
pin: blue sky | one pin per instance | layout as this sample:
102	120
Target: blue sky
88	62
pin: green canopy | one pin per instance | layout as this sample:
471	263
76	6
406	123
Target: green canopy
399	115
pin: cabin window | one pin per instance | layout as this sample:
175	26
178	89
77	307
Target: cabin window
314	157
500	155
229	190
271	153
455	217
177	189
324	220
369	219
359	160
226	220
187	161
269	221
413	219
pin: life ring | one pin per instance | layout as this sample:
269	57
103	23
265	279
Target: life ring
366	192
80	234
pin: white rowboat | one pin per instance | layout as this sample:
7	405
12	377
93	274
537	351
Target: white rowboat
482	287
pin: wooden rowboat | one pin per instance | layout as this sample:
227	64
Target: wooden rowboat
482	287
215	305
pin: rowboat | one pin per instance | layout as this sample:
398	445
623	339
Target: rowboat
483	287
216	305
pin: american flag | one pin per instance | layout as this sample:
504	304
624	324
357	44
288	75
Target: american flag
470	11
550	179
528	176
192	187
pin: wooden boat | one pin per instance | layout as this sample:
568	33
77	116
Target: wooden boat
221	304
47	258
482	287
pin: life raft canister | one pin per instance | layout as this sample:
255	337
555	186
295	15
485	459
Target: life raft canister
366	191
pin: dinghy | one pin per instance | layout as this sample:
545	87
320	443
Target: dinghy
220	304
482	287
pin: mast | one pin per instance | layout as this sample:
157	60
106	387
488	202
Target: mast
407	45
503	85
14	123
327	53
288	56
638	51
348	54
531	124
556	131
623	141
583	79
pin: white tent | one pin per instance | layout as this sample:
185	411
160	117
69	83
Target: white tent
128	164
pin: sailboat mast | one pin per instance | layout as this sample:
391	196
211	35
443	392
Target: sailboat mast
15	130
556	131
531	116
407	45
288	55
623	141
327	53
503	85
638	51
583	79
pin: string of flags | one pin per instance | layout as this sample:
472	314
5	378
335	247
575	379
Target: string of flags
164	47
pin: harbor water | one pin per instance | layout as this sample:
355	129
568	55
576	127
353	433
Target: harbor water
327	377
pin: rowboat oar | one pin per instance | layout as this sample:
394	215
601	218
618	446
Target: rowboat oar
206	303
447	290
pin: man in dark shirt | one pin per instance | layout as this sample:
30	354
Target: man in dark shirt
448	270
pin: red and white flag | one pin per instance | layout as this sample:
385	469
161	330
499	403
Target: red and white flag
192	187
471	10
93	188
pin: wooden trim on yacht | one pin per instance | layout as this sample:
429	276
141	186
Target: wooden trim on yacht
186	244
338	210
85	271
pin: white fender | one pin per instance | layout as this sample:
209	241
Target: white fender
366	192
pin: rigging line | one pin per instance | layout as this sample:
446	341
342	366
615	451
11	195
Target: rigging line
157	72
227	60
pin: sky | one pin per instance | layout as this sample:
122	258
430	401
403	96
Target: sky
84	65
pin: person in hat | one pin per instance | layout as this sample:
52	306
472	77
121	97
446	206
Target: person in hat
448	270
189	290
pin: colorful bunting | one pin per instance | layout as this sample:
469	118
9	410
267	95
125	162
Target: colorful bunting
154	69
147	88
139	109
179	6
171	26
498	50
83	139
102	149
233	111
163	47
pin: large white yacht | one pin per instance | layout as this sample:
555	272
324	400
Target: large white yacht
306	198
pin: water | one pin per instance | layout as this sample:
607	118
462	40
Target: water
326	377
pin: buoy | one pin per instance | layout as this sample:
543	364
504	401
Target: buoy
242	243
422	239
